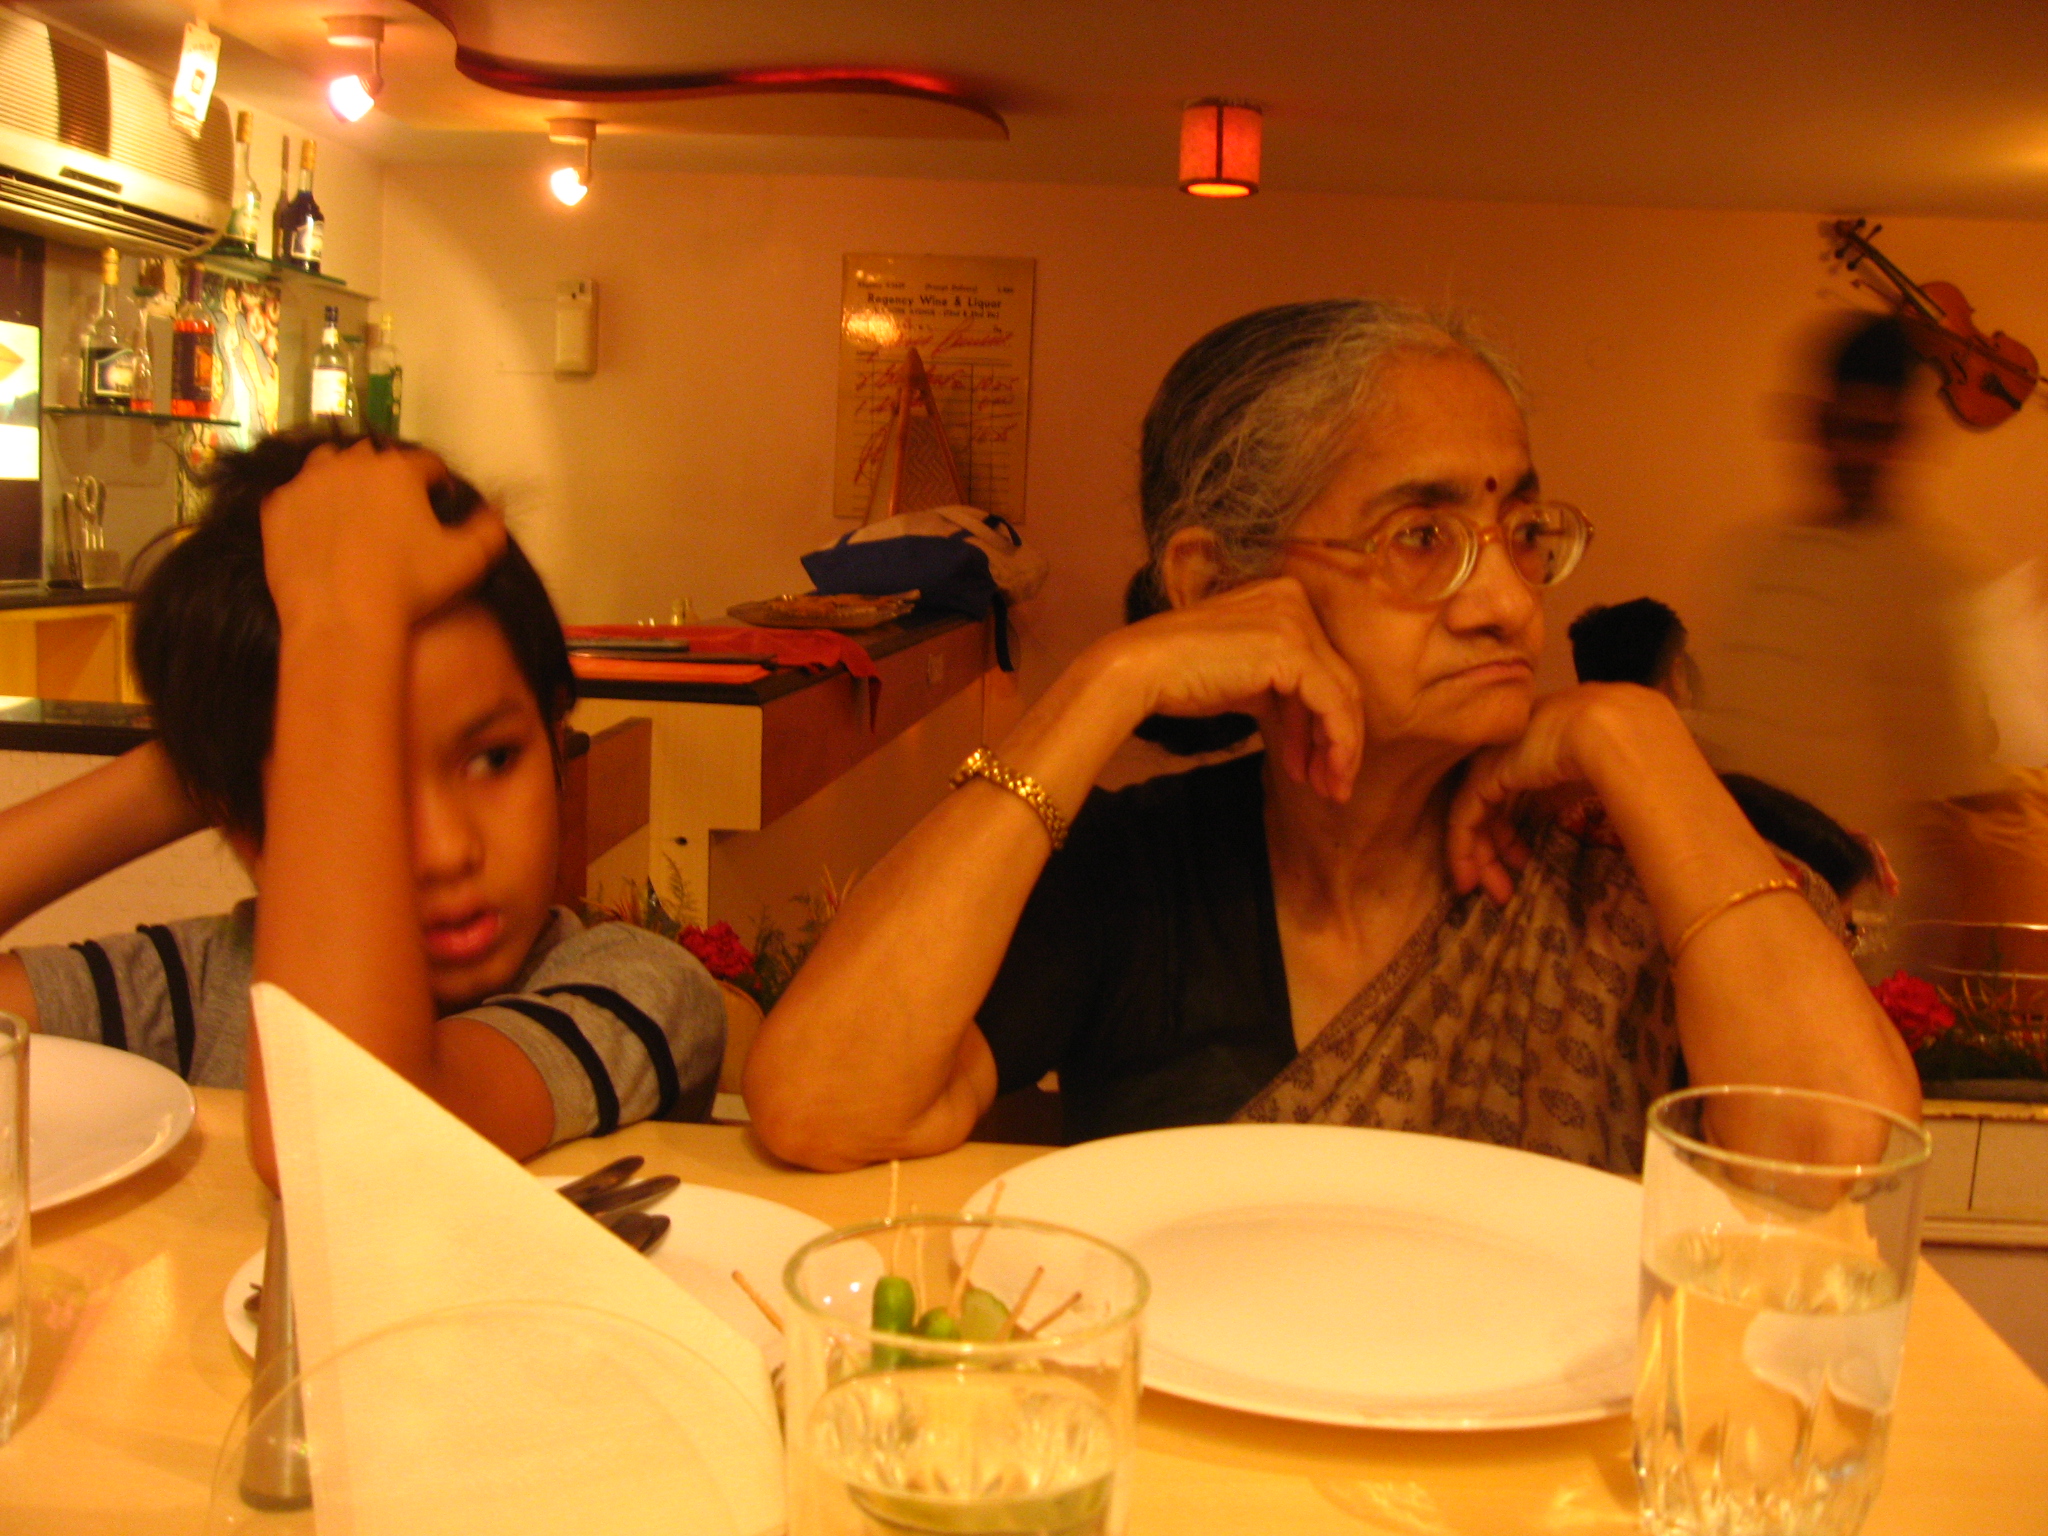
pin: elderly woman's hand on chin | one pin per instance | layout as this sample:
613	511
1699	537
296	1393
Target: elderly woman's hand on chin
1587	735
1258	649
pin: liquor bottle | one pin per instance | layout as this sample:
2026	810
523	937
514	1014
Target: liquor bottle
245	221
333	388
141	368
305	229
192	349
387	383
106	368
284	198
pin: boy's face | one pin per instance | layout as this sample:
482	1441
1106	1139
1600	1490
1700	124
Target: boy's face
485	826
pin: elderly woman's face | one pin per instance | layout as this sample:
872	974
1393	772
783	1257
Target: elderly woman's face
1460	671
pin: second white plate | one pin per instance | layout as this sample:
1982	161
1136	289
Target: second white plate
712	1232
1365	1277
95	1116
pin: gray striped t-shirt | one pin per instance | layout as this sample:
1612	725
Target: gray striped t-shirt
621	1024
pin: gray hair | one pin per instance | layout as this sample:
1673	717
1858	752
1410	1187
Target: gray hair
1248	425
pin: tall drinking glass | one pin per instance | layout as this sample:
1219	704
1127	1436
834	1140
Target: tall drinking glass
1022	1420
1779	1233
14	1316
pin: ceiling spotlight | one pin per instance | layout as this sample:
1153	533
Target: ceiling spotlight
1219	149
352	95
571	182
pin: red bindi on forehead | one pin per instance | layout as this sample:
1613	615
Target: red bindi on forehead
1492	484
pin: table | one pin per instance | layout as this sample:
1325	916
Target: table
133	1381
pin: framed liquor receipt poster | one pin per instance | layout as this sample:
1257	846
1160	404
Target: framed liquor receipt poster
969	320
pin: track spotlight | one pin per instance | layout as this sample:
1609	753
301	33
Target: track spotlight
570	183
352	95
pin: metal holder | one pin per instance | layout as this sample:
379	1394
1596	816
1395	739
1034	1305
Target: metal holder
274	1475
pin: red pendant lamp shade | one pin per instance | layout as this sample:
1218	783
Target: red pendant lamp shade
1219	149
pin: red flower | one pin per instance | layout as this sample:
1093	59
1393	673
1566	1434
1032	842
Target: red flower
1916	1007
720	949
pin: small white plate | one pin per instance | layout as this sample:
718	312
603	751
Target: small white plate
95	1116
1377	1278
711	1233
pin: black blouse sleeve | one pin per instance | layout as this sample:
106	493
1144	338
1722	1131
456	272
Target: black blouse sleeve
1057	963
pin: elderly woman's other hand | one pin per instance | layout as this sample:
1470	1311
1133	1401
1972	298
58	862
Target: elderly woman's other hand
1585	735
1260	649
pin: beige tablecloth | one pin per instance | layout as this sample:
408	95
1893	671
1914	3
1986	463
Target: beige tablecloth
134	1381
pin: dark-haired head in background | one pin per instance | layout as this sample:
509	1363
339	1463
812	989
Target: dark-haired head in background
1640	641
1643	642
206	629
1864	421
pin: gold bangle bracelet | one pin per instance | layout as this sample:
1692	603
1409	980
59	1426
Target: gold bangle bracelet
1729	903
984	764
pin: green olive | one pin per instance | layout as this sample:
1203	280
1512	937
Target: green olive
938	1323
894	1310
895	1305
982	1316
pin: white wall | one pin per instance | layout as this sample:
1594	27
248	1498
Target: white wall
697	460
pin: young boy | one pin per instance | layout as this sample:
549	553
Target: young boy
358	677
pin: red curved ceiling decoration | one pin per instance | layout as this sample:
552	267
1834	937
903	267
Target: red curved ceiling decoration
536	78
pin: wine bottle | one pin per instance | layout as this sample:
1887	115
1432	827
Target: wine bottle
245	220
192	349
387	383
333	391
283	205
305	226
106	368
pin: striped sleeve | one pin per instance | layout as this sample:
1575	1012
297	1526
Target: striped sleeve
621	1024
174	992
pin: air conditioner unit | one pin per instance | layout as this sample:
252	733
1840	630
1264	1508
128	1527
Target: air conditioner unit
89	154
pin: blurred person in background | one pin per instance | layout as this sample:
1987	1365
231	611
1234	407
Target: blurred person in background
1842	677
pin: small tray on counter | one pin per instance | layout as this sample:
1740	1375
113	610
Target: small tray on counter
819	610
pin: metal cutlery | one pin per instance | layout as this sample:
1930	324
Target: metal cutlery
596	1182
639	1228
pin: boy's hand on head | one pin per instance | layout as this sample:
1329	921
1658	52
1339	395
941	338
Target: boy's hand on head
353	537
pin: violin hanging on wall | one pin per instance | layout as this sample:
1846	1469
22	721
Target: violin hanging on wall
1985	379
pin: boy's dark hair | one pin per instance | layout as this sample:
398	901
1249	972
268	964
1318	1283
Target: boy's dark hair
1633	642
1803	830
206	628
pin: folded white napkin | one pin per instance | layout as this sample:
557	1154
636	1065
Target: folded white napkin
497	1417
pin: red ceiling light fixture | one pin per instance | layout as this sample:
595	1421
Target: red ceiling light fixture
1219	148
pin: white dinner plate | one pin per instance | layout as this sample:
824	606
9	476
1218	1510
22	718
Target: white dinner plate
711	1233
1348	1276
95	1116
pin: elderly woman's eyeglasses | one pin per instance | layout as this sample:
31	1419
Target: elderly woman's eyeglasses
1425	554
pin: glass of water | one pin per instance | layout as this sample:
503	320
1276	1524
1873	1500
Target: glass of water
14	1309
1779	1233
968	1375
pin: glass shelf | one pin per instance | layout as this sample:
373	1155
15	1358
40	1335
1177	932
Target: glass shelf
113	413
263	270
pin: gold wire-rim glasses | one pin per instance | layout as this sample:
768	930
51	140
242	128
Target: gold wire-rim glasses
1472	541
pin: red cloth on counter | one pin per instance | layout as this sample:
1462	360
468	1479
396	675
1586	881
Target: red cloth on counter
815	650
812	650
635	669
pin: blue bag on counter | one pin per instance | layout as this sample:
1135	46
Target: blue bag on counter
957	559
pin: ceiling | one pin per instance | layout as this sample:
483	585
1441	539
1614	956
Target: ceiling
1896	106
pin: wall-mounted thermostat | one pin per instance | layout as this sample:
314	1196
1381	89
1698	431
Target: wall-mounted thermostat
576	326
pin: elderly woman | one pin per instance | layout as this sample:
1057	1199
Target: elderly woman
1435	902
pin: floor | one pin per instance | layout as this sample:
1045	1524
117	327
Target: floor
2009	1289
